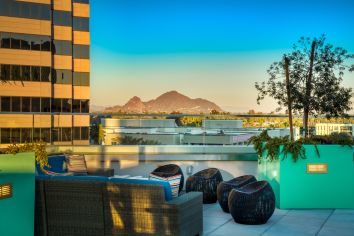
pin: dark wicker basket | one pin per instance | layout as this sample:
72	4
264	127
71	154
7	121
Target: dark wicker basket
205	181
224	188
168	171
253	203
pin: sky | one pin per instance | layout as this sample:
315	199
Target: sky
212	49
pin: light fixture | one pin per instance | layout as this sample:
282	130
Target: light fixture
317	168
5	191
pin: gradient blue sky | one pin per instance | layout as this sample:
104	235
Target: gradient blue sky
211	49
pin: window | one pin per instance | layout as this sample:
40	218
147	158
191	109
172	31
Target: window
66	103
5	104
25	42
45	74
61	47
5	40
5	135
36	44
36	104
36	74
26	73
65	134
56	106
76	106
16	135
36	134
16	104
26	135
85	106
63	76
81	78
5	72
45	104
76	133
26	104
45	46
15	42
84	133
82	1
55	134
81	51
45	135
62	18
15	72
81	24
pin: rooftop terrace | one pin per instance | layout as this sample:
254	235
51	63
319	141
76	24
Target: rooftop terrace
283	222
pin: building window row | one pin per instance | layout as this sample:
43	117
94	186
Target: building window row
25	41
43	104
29	10
25	73
43	74
22	135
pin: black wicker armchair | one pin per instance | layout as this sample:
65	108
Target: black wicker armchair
224	188
253	203
205	181
168	171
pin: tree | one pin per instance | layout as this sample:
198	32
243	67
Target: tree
316	70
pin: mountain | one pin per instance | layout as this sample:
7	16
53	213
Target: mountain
168	102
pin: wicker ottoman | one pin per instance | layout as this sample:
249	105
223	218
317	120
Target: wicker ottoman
205	181
253	203
225	187
168	171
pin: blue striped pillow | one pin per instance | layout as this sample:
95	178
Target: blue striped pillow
174	182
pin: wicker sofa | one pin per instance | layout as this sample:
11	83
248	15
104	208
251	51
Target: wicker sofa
94	206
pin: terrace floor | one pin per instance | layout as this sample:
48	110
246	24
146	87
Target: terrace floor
336	222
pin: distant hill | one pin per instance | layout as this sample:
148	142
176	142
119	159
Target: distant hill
168	102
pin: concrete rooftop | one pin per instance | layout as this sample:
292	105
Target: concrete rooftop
329	222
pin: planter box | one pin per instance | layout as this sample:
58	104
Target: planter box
17	210
326	181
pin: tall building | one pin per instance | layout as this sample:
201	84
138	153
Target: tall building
45	71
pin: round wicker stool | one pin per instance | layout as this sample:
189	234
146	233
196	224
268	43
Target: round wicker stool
205	181
168	171
253	203
225	187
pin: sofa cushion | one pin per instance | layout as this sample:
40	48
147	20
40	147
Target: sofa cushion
165	184
174	182
76	164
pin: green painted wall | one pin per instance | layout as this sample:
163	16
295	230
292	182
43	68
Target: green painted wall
17	213
295	188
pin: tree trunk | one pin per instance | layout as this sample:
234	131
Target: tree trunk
287	79
308	90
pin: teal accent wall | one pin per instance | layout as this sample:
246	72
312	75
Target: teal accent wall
295	188
17	212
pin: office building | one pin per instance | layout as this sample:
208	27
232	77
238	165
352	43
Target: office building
45	71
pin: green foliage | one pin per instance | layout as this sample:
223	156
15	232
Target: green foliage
328	97
38	148
128	140
263	142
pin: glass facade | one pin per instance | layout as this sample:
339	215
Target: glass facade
40	76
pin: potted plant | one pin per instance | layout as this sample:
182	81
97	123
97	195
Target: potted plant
314	171
39	148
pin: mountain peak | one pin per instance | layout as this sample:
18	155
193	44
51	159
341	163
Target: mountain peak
171	101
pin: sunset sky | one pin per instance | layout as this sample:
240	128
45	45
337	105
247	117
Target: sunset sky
211	49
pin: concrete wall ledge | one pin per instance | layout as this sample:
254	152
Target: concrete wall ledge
161	152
